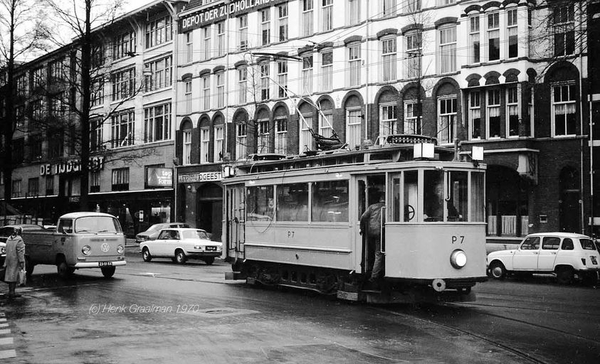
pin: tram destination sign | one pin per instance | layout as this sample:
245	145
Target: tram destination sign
200	177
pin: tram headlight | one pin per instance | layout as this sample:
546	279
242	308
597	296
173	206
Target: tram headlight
458	259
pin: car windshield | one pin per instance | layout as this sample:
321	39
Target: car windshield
587	244
194	234
97	224
156	227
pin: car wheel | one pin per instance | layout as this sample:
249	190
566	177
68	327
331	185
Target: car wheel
590	278
146	255
63	270
180	256
209	260
108	272
497	270
565	275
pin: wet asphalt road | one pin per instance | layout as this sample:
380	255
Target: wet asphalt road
160	312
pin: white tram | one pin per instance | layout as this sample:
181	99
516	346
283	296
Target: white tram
294	221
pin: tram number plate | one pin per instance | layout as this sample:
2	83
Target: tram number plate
104	264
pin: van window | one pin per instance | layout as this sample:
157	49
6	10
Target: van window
65	226
551	243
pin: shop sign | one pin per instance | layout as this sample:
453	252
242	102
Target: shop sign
160	177
200	177
71	166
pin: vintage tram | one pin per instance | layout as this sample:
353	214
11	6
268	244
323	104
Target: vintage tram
295	221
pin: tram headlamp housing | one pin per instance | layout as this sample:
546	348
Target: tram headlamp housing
458	259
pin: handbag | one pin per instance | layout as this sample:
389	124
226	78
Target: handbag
22	277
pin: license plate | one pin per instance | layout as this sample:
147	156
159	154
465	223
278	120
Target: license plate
211	248
104	264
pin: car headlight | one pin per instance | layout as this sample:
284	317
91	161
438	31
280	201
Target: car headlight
458	259
120	249
86	250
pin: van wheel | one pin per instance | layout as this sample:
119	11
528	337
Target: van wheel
108	272
565	275
146	255
497	270
64	271
180	256
209	260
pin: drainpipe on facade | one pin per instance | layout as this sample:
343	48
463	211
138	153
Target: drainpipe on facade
582	140
175	20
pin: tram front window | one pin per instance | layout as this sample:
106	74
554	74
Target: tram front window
457	201
433	186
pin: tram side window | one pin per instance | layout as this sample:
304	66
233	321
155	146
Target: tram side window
260	203
411	195
458	196
477	193
433	195
329	201
292	202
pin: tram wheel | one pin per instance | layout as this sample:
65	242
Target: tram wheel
497	270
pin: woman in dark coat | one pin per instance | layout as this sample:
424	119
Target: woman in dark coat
15	261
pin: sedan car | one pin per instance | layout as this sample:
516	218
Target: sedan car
181	244
152	232
562	254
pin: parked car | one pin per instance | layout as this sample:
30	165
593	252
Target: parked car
181	244
152	232
6	231
562	254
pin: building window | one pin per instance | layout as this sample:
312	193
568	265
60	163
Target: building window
59	105
161	77
204	144
159	31
513	33
50	185
306	141
220	29
411	117
97	94
56	143
307	18
325	127
206	91
388	8
243	32
512	111
282	78
265	26
189	106
206	54
388	55
563	19
282	27
475	114
493	114
265	81
39	77
96	135
219	138
120	179
447	49
242	72
35	147
220	78
281	135
353	128
354	64
413	54
189	46
57	70
353	12
264	145
475	41
122	129
16	188
411	6
493	27
564	109
327	15
124	45
94	183
21	83
389	120
447	118
241	140
187	146
327	70
123	84
33	187
157	123
307	74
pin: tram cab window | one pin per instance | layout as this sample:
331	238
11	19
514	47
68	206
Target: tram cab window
477	193
329	201
260	203
457	201
411	196
292	202
433	189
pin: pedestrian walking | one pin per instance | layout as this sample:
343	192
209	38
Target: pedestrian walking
371	221
14	262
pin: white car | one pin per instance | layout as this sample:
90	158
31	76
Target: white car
181	244
562	254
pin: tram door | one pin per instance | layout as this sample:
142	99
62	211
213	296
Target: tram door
235	215
369	190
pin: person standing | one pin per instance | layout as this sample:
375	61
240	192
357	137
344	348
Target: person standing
15	261
371	220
